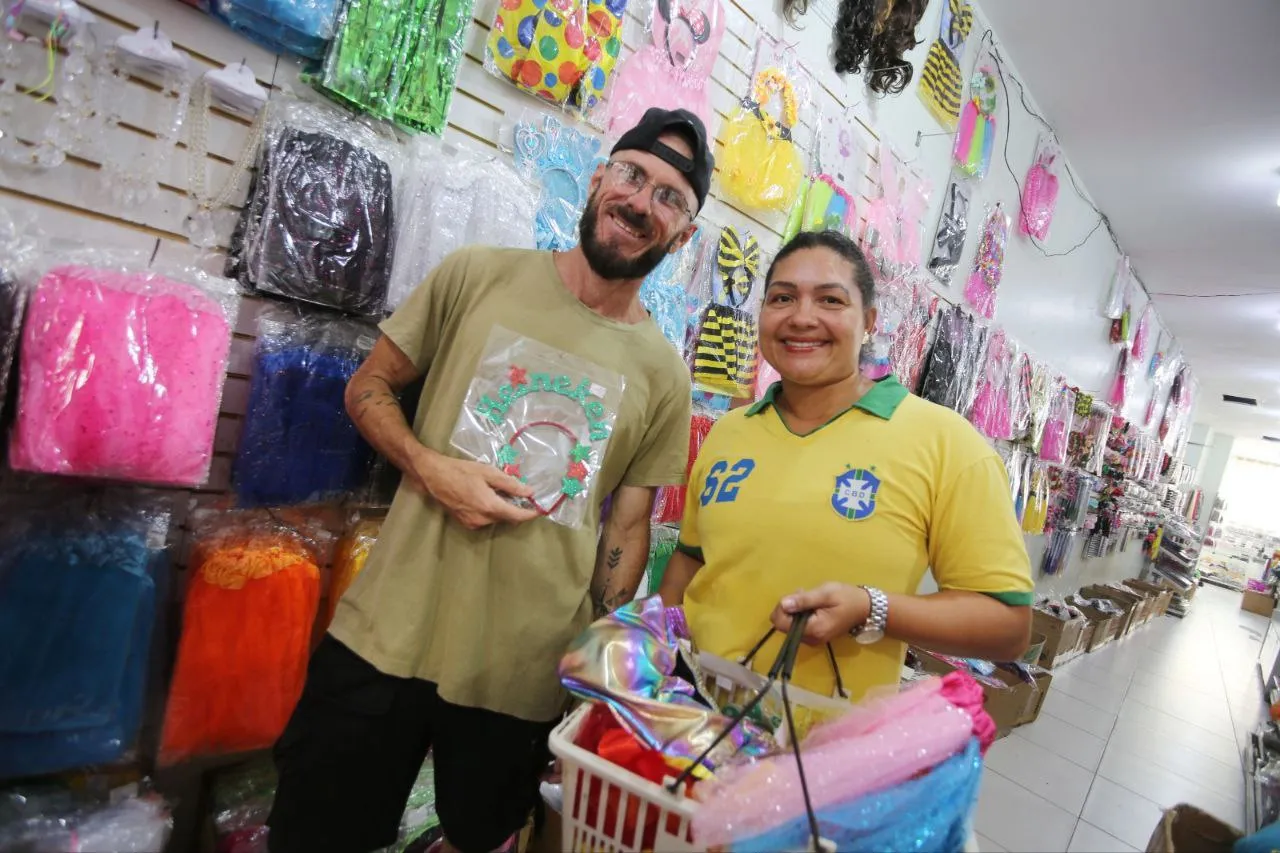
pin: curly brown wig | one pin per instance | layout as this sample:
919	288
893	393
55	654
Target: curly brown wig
871	43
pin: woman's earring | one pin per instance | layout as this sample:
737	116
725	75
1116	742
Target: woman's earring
866	338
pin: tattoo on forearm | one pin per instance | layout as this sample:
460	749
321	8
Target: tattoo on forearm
605	602
613	559
383	398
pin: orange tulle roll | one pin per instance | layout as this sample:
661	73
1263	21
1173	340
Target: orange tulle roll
246	635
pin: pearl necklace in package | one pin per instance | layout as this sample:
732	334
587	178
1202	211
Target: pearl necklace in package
543	416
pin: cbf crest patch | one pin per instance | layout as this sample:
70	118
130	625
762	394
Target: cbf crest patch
854	497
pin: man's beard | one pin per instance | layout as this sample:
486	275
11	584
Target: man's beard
605	260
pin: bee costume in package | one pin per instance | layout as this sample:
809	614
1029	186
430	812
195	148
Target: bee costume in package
724	358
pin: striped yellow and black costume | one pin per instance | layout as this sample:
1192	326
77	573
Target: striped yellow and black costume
724	358
941	83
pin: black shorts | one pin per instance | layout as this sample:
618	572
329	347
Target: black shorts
356	742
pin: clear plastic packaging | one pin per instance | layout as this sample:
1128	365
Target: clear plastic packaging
242	798
281	26
880	239
762	165
1058	424
58	822
976	133
318	226
1040	189
542	416
662	547
992	408
246	631
669	506
1043	384
298	444
953	228
666	296
1118	292
941	80
910	345
562	51
893	303
724	352
913	204
821	205
1142	334
842	152
350	555
81	571
940	383
982	289
671	69
1021	380
449	199
398	60
1120	385
560	161
19	253
122	371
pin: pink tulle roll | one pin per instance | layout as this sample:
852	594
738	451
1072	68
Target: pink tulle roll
121	376
966	694
875	747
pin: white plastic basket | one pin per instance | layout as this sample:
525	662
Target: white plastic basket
587	778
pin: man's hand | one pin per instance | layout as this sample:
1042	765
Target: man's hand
471	492
837	609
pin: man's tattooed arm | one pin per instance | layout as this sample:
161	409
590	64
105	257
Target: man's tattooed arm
623	550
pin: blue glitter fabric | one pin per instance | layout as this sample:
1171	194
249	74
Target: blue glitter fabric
298	445
78	592
929	814
561	161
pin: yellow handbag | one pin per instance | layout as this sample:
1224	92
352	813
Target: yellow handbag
762	167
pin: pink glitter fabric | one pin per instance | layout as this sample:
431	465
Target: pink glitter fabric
121	376
876	746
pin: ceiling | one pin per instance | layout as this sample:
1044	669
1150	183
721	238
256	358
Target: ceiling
1169	112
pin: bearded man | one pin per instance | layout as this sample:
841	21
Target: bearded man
450	637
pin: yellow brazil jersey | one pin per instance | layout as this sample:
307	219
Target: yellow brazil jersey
886	490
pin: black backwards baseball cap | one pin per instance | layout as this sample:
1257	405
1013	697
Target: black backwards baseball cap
656	121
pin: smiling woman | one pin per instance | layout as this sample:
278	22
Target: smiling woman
847	490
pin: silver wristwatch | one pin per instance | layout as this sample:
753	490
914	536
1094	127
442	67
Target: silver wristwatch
872	631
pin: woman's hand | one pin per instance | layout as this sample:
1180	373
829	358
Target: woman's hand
837	609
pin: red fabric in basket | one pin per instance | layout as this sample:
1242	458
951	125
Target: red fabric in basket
602	735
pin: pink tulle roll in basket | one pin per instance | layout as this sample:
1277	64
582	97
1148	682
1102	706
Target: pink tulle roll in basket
121	377
877	745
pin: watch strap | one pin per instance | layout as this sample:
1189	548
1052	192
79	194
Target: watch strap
878	615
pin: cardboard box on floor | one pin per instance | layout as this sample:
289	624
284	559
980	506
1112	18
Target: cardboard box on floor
1061	638
1163	595
1043	679
1150	599
1131	603
1261	603
1008	707
1103	627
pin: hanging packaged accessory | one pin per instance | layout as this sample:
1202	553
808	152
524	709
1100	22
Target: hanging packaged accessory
975	136
202	226
116	343
671	70
953	227
941	81
297	444
884	214
1040	190
665	295
562	51
560	160
724	355
235	89
982	288
762	166
544	417
1117	293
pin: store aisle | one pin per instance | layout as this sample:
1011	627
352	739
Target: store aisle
1154	720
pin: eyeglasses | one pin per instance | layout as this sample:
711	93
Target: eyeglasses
668	200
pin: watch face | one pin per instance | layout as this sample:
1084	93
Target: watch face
869	635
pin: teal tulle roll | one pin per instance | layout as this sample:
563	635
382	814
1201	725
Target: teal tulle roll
929	814
398	59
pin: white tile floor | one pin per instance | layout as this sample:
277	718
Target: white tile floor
1157	719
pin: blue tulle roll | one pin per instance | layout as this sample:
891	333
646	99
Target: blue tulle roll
929	814
77	607
298	444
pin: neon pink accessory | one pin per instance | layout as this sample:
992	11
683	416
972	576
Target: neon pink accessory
966	694
991	410
121	376
1120	385
988	265
1142	334
1039	196
671	71
875	746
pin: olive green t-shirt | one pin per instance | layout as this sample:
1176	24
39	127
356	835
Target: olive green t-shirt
487	614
